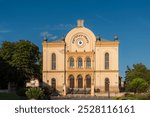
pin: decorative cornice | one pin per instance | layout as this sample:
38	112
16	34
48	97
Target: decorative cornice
107	44
107	71
54	44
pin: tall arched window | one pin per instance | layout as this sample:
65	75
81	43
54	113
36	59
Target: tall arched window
80	81
53	83
53	61
106	60
107	83
80	63
88	81
71	78
88	62
71	62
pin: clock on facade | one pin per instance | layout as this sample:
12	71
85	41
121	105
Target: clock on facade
80	42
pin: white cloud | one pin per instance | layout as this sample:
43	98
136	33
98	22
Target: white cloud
53	37
5	31
48	35
45	34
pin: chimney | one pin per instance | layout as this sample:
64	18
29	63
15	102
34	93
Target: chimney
80	23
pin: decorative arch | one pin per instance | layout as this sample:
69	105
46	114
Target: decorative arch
106	60
88	81
80	62
87	35
53	62
80	81
88	62
71	62
71	79
53	83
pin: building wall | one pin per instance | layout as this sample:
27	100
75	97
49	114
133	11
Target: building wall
100	81
48	49
113	56
89	48
58	73
113	72
59	76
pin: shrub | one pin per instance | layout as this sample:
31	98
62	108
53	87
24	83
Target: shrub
138	85
35	93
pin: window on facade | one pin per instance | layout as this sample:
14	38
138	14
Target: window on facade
53	61
106	60
107	83
80	64
80	81
88	62
88	81
71	78
71	62
53	83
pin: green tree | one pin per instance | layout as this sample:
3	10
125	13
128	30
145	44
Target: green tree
20	61
138	85
7	50
26	58
138	71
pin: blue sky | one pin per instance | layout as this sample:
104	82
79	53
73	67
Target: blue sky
130	19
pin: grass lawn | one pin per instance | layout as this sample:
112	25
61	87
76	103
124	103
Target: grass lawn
145	96
8	96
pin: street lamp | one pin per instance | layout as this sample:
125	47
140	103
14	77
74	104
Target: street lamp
108	89
108	82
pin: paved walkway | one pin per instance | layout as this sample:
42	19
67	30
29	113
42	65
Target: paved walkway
80	97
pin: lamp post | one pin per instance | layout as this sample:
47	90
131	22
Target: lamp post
108	88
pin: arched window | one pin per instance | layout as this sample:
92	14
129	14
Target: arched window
88	81
53	83
80	64
53	61
71	78
88	62
107	83
80	81
106	60
71	62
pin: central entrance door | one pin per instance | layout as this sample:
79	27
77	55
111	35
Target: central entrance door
80	81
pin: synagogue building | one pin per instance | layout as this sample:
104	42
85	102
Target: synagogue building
81	63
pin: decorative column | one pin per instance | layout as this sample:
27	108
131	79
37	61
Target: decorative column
76	82
92	88
67	82
84	84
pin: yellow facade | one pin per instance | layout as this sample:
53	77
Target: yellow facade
81	63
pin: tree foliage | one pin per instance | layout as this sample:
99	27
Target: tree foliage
138	85
20	61
138	71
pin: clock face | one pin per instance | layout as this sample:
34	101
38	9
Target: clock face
80	42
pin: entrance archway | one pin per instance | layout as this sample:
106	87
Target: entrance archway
88	81
71	78
53	83
80	81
